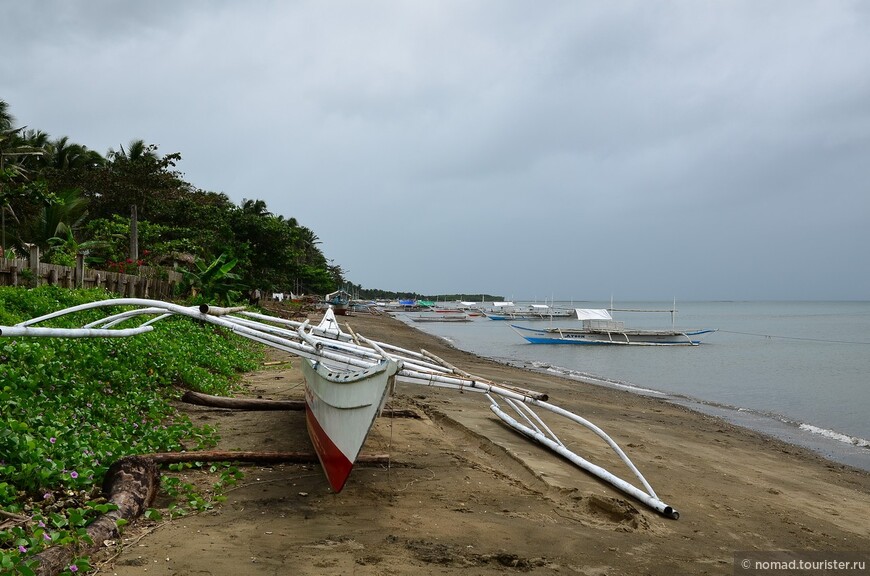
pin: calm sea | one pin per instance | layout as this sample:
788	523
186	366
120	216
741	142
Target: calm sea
799	371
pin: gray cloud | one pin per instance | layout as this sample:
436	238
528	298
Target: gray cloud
575	150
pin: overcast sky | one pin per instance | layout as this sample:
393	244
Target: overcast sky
571	150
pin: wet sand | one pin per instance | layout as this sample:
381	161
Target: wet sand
462	494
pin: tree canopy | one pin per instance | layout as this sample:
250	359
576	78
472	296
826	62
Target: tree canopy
64	197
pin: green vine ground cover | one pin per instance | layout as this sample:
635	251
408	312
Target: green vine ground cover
71	407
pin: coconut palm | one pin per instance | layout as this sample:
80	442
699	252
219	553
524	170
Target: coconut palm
16	156
6	118
255	207
57	220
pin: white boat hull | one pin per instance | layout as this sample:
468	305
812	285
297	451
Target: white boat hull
340	409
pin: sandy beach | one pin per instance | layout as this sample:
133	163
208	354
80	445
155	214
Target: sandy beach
464	494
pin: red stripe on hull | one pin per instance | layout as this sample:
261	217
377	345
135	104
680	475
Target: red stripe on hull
335	464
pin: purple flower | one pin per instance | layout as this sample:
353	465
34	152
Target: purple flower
45	496
73	568
73	474
52	439
45	536
22	549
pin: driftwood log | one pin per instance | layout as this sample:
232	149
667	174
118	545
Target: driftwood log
201	399
255	457
131	484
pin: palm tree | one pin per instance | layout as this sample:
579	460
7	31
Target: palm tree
15	151
307	241
6	118
255	207
59	219
136	150
65	155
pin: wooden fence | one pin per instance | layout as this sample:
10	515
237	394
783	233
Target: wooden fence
156	283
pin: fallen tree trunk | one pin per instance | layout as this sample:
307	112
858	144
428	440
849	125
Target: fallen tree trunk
201	399
255	457
131	484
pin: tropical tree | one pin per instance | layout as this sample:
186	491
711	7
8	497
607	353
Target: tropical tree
6	118
67	156
60	219
255	208
214	283
135	176
67	198
17	182
64	249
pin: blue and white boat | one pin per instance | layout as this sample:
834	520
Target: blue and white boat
598	327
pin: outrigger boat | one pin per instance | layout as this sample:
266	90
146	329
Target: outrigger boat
338	301
348	378
439	317
598	327
509	311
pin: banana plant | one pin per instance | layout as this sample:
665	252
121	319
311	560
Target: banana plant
213	283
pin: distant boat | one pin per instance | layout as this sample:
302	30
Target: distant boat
599	327
509	311
451	316
338	301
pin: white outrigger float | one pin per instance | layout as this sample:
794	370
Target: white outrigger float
348	379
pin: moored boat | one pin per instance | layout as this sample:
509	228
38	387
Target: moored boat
338	301
440	317
509	311
599	327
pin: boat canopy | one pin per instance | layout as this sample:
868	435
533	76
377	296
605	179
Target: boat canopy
502	303
592	314
338	295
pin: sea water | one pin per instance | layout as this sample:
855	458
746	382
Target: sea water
799	371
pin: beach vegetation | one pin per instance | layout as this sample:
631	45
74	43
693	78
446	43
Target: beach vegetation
71	407
214	283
